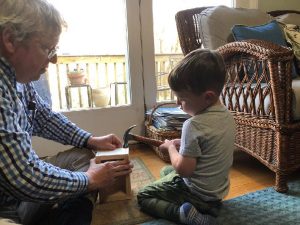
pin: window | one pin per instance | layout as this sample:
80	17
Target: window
91	68
167	47
134	41
95	44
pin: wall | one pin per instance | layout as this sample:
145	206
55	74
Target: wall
269	5
251	4
97	122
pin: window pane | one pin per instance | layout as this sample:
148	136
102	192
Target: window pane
167	47
92	50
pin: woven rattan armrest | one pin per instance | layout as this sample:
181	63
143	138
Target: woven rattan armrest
258	91
258	71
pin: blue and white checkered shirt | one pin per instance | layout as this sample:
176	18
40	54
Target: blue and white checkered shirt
22	174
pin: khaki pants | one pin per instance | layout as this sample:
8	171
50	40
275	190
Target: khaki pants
72	211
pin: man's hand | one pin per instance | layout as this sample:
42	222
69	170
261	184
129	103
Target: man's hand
107	142
104	174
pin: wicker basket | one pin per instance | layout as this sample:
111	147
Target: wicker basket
160	134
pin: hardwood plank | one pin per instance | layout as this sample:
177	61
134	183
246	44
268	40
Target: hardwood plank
150	159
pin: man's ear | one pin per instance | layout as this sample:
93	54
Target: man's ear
8	40
210	96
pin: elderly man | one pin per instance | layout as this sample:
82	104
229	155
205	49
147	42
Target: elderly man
59	189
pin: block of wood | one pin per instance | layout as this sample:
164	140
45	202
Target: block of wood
121	190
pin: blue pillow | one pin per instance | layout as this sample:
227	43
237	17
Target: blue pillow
269	32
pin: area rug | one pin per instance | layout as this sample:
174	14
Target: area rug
125	212
264	207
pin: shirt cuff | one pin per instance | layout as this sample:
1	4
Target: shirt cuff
80	138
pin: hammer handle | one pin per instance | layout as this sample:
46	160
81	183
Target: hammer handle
146	140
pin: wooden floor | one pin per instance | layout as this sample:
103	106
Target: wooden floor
247	174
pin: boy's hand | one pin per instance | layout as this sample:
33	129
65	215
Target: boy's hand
166	145
176	143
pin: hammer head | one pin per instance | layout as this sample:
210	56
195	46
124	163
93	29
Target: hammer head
127	136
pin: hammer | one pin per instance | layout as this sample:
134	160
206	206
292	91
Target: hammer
128	136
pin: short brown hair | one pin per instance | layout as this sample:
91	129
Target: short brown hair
200	70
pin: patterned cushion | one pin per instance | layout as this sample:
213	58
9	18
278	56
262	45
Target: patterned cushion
292	35
289	18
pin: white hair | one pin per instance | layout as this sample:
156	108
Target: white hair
29	17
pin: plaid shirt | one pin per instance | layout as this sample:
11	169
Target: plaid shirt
22	174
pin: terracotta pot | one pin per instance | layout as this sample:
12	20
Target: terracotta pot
76	78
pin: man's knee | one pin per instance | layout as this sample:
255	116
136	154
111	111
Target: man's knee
74	159
31	213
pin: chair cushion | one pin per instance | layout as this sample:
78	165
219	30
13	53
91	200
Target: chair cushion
216	23
269	32
266	105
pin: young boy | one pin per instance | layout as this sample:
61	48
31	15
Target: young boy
192	189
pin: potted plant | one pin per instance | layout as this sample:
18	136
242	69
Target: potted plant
77	77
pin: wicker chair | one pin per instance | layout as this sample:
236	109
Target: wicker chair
258	91
187	22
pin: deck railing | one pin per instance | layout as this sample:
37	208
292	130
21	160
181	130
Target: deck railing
102	71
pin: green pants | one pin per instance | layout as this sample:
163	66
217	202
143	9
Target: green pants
164	197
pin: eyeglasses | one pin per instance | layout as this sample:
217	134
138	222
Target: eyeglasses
52	52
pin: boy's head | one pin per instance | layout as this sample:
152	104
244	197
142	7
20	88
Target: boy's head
201	76
200	70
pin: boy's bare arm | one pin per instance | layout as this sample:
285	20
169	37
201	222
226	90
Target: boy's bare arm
184	166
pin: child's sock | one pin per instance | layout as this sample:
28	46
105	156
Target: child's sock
191	216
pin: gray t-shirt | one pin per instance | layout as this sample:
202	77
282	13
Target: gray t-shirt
209	137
